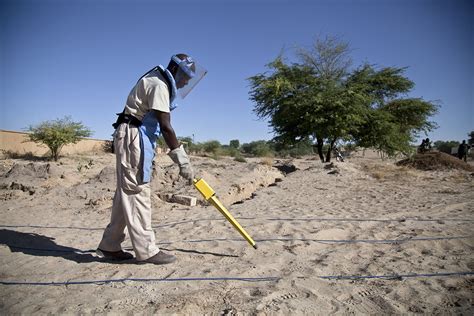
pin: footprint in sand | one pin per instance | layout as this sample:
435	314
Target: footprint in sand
275	300
369	301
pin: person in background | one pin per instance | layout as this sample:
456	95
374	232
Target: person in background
463	149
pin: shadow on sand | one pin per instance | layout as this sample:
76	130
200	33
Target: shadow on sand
43	246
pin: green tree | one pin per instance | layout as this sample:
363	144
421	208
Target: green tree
211	146
302	104
259	148
309	100
470	141
320	100
380	132
391	121
57	133
328	58
329	61
234	143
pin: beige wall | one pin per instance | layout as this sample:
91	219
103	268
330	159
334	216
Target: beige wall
14	142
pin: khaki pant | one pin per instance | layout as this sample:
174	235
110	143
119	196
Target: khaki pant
132	202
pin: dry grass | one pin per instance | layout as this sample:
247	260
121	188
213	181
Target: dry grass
388	172
268	161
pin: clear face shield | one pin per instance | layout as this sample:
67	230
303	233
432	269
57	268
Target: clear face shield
188	74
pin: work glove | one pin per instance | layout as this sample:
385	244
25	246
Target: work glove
180	157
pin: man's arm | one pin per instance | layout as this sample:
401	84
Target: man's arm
164	119
177	152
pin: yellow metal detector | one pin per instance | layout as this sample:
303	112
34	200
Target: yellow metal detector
210	196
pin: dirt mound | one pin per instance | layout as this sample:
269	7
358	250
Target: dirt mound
27	177
30	170
106	175
232	181
435	161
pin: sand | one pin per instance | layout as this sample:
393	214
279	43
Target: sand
360	237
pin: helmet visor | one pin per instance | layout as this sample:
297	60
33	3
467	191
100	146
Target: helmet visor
188	75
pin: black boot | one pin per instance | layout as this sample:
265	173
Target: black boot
114	255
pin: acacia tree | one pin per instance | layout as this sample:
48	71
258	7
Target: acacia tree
57	133
328	60
320	100
284	97
309	100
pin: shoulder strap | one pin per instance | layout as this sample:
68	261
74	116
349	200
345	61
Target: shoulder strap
167	81
163	74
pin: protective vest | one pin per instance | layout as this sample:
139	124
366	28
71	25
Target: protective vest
150	130
149	127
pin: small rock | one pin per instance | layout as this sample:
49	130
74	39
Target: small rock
286	168
184	199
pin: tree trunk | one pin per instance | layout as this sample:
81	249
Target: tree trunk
320	148
381	154
328	155
55	152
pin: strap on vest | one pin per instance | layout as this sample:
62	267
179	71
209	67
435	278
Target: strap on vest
126	118
130	119
163	74
167	81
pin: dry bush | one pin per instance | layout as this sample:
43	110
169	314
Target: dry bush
8	154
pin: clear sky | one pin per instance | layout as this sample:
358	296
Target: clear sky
81	58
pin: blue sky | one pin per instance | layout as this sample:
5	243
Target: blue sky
81	58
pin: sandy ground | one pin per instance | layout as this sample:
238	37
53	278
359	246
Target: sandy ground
359	237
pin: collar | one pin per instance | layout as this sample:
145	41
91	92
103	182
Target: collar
174	90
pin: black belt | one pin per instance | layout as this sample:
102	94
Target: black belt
126	118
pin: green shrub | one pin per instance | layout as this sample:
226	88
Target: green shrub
234	143
211	146
240	158
258	148
55	134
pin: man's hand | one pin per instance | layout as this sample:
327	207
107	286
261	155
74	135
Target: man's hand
187	172
180	157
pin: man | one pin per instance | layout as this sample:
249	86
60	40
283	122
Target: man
463	149
425	146
146	113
